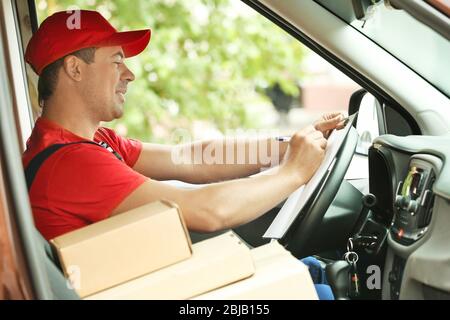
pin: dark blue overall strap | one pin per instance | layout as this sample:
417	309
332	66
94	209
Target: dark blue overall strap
38	160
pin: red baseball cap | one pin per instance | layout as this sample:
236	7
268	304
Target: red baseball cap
68	31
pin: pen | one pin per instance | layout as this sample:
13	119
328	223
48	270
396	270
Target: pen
283	138
288	138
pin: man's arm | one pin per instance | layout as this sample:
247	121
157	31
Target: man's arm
209	161
218	205
228	204
218	160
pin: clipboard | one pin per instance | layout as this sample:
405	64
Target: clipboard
297	201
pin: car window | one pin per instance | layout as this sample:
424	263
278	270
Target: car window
216	68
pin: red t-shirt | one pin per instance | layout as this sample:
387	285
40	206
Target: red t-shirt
82	183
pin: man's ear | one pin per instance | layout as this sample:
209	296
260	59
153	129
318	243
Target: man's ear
72	67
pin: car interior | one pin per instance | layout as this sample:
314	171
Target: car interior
397	216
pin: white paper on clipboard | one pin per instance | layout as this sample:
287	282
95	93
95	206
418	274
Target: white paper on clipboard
297	200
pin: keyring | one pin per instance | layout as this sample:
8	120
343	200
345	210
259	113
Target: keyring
353	255
350	245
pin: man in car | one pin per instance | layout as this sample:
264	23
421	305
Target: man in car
79	172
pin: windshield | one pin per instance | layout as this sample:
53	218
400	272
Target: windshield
422	49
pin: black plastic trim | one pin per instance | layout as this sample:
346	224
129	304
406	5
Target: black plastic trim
33	15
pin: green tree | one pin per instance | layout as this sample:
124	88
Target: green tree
206	60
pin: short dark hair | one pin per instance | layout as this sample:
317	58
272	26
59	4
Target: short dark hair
49	76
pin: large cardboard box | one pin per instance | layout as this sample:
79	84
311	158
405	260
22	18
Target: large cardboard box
214	263
278	275
123	247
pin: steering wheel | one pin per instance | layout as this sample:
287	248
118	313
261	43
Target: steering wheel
296	238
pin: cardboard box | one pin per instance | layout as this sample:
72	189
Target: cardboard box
123	247
214	263
278	275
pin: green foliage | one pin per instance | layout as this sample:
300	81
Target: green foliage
207	60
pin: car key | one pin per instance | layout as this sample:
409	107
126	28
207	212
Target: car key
352	258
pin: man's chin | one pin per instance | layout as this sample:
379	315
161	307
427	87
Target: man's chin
117	111
118	114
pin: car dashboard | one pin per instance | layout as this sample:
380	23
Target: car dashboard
409	180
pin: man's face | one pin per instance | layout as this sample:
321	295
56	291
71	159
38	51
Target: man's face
105	83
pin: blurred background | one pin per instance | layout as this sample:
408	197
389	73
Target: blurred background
212	67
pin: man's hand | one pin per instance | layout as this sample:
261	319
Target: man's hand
328	122
305	154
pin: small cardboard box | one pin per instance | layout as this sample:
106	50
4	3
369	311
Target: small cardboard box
123	247
214	263
278	275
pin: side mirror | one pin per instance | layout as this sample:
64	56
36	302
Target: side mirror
369	122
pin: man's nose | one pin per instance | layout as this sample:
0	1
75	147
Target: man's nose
127	74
